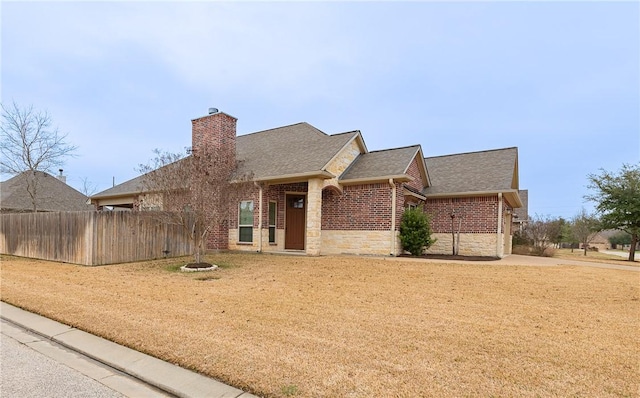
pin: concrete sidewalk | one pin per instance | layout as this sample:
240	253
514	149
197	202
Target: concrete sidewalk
159	374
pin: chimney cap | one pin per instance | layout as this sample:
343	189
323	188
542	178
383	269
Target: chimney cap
213	110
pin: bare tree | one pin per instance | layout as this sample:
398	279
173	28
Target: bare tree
88	188
583	228
538	230
29	143
194	191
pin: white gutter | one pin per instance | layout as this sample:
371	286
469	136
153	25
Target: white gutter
393	217
259	218
373	180
498	240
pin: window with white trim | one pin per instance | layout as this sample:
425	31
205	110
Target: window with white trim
245	222
272	221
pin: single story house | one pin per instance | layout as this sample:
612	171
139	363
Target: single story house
328	194
50	194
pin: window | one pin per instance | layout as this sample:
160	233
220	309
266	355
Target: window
272	222
245	225
297	203
412	206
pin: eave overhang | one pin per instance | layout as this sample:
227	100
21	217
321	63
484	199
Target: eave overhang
408	192
377	180
291	178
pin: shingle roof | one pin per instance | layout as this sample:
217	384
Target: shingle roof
485	171
133	186
295	149
388	162
52	194
522	213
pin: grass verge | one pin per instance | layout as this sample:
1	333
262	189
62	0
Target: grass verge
283	326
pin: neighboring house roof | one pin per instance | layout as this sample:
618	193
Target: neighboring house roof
603	236
474	172
380	164
51	195
133	186
298	149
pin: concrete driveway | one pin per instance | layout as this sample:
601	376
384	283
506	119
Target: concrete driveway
612	253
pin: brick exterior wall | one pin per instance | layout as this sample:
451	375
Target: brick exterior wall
269	193
479	214
216	133
359	207
414	171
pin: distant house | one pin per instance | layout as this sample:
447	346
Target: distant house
51	194
600	240
328	194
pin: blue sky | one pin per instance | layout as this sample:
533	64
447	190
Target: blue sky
559	80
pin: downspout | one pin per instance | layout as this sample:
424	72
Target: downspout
259	217
498	240
392	250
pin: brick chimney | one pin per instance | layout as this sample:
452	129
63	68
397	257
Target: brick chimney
216	132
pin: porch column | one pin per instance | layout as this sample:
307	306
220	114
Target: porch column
314	217
499	238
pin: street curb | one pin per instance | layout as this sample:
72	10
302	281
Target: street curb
153	371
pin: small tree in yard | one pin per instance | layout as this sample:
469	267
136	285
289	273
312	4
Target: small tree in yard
539	231
558	231
415	232
584	227
193	192
617	198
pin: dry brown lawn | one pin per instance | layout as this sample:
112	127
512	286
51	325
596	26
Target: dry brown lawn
358	327
596	257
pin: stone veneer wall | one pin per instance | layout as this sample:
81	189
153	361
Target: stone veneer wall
341	162
358	242
470	244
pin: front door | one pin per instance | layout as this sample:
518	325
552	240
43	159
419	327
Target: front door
294	228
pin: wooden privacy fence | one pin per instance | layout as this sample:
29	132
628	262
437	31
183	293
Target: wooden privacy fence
92	238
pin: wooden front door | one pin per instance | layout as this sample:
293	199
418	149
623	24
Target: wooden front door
295	222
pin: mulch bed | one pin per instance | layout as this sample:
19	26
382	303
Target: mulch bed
452	257
198	265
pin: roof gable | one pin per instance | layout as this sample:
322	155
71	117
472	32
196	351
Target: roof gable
297	149
382	164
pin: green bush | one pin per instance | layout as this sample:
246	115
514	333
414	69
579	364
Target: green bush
415	232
